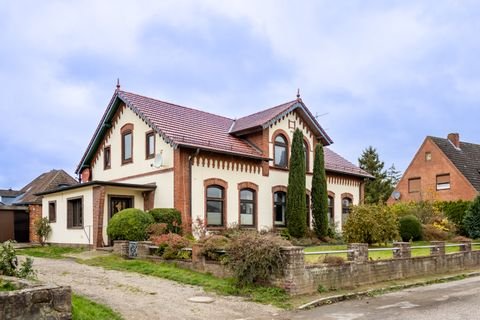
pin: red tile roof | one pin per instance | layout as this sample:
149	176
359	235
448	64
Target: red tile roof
189	127
335	162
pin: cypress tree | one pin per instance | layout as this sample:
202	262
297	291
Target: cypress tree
319	194
296	196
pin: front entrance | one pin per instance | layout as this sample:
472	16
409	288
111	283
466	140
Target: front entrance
118	203
14	225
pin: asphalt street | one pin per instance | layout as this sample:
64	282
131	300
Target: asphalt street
453	300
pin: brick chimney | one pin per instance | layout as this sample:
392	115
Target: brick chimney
454	139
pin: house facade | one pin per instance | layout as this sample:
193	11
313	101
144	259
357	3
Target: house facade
442	169
147	154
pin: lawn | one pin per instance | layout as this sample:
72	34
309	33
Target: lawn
374	255
85	309
52	252
261	294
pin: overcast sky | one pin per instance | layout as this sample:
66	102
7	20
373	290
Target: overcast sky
380	73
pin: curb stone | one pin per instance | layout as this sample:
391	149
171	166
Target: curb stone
368	293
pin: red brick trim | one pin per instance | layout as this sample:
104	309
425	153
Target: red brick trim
148	200
181	186
254	187
143	174
285	135
34	213
331	194
98	215
224	184
347	195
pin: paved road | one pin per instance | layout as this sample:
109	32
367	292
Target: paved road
453	300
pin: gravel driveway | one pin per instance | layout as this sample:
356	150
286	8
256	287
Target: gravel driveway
139	297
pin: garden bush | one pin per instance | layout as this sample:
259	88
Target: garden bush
9	263
214	243
129	224
170	246
157	229
371	223
425	211
171	216
433	233
42	229
254	257
471	220
410	228
455	212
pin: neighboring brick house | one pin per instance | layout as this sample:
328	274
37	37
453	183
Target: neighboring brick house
442	169
20	209
148	153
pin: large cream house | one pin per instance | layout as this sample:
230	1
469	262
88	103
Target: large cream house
147	153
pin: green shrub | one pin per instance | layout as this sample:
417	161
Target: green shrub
129	224
433	233
371	223
170	245
42	229
9	263
455	212
255	257
157	229
171	216
214	243
425	211
410	228
472	219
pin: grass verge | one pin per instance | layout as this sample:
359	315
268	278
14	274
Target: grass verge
52	252
86	309
266	295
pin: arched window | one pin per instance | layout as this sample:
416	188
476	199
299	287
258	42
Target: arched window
280	151
331	210
279	207
215	205
127	143
346	208
247	207
306	151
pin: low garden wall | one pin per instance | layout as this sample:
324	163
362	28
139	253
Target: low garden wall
300	278
32	300
303	279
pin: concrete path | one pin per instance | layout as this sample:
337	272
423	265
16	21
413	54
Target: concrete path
143	297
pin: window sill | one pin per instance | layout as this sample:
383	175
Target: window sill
75	228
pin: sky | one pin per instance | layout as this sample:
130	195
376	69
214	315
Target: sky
377	73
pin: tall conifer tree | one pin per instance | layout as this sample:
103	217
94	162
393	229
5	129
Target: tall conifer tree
319	194
296	196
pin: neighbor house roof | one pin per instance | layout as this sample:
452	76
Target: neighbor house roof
44	182
9	193
183	126
336	163
466	158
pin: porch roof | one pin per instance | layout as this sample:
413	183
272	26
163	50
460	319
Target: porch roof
141	187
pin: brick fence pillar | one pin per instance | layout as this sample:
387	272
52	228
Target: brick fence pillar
359	253
439	249
404	250
295	278
35	214
466	246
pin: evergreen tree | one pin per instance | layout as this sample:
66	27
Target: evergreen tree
471	221
319	194
393	175
296	197
381	187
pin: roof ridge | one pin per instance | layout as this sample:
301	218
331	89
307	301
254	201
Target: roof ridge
177	105
264	110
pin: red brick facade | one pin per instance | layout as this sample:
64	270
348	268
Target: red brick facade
181	185
35	213
429	162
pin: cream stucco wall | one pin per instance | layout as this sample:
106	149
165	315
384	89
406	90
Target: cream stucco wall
60	233
140	170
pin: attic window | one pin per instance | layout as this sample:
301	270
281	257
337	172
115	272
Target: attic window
428	156
443	181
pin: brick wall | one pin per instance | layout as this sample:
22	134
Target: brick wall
181	185
98	212
35	213
427	170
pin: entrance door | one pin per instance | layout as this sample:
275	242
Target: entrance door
118	203
22	222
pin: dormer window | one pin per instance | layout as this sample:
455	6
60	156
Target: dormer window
280	151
